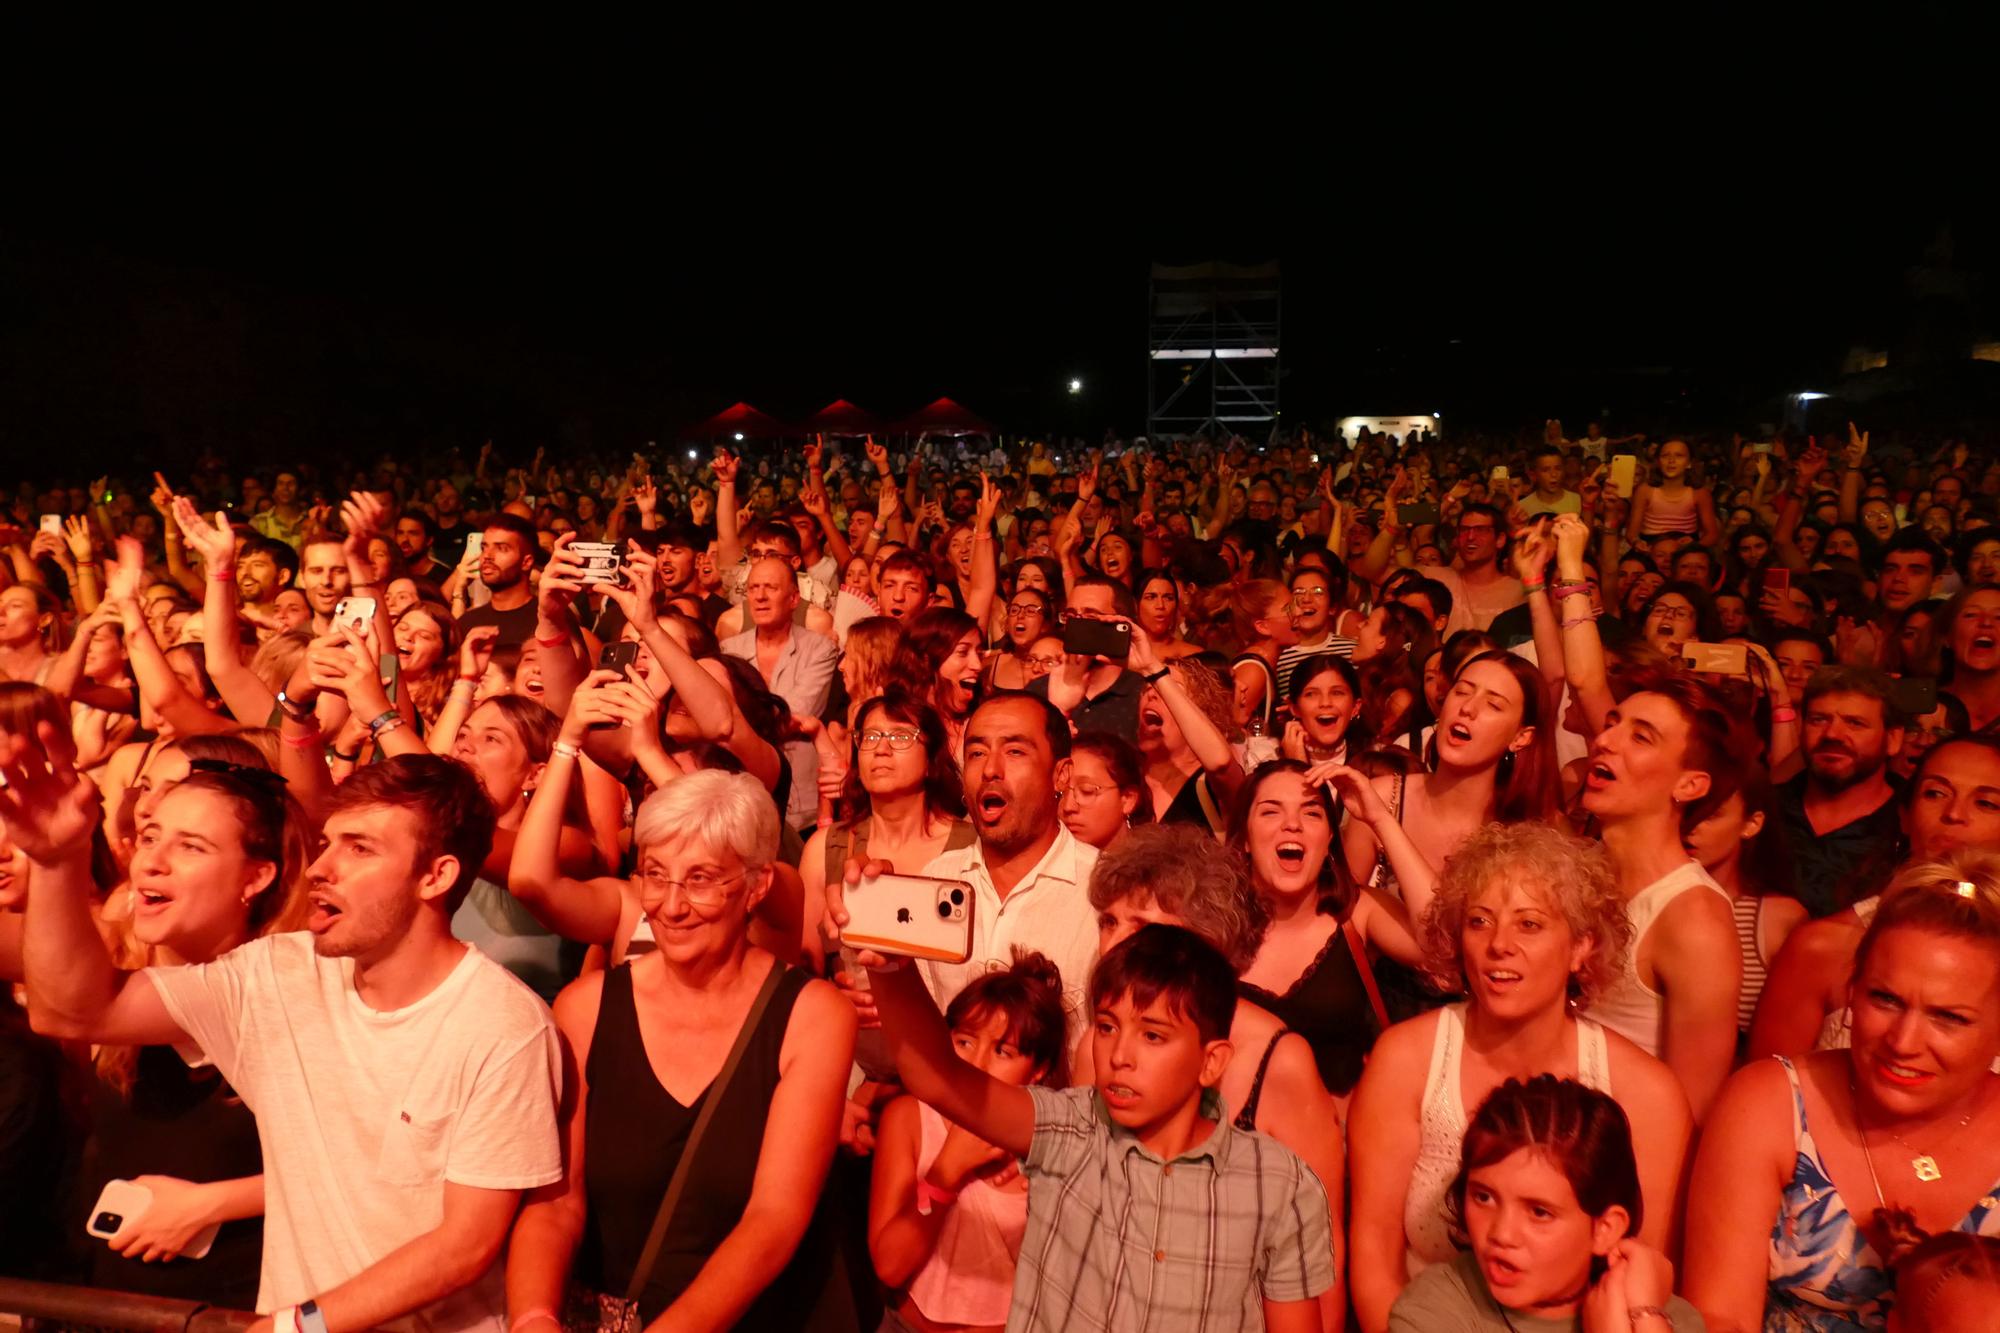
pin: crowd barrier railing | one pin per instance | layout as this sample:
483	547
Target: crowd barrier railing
94	1307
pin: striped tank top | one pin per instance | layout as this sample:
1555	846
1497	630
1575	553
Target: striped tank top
1749	913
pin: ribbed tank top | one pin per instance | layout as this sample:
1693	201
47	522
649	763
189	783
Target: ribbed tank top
1629	1006
1749	913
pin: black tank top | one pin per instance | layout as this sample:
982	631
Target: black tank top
634	1131
1328	1006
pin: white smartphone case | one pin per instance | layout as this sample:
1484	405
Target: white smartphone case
911	916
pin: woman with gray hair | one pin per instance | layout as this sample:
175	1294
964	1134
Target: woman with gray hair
1528	924
705	1102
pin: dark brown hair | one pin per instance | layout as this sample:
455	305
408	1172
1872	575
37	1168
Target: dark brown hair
1029	993
1173	965
453	816
1582	1132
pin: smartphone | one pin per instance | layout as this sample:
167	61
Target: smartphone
618	656
1417	516
528	500
52	523
1720	659
1624	473
1915	696
122	1201
1499	473
1778	579
358	612
1110	639
1761	447
601	562
911	916
475	544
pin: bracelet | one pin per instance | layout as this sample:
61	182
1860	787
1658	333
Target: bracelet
1785	714
1637	1312
1562	590
305	740
387	727
382	720
1155	677
523	1320
347	757
1572	622
566	750
558	641
929	1195
293	709
1532	588
466	680
222	575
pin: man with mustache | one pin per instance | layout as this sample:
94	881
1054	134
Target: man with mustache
1840	814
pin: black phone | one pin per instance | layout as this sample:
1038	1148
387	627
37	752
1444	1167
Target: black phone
1110	639
618	656
1416	516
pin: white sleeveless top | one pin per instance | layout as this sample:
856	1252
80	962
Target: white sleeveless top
969	1278
1443	1119
1629	1006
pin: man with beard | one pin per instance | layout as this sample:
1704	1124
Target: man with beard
1029	874
506	562
323	578
414	539
448	526
264	568
405	1086
797	665
1840	814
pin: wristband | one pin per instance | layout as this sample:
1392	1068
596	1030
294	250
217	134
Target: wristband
566	750
929	1194
466	680
1572	622
1570	589
305	740
345	757
387	727
1155	677
293	709
1637	1312
383	720
1785	714
559	641
222	575
1534	587
310	1319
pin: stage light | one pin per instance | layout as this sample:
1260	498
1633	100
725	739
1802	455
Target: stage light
1437	416
693	454
739	435
1808	397
1076	386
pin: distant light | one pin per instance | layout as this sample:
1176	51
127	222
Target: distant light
694	453
739	434
1808	397
1076	386
1437	416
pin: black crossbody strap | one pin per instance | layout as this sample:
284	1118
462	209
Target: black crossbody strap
717	1090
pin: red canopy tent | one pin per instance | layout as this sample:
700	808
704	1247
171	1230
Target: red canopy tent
944	417
841	417
741	419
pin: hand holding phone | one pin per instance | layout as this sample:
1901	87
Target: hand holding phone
910	916
1108	639
357	613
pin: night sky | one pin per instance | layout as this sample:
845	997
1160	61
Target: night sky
540	247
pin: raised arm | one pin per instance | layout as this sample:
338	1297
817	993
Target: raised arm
249	699
1784	536
586	910
728	539
50	811
157	681
985	566
815	501
1582	649
1851	479
932	1071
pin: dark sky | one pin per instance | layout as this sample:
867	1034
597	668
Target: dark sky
346	249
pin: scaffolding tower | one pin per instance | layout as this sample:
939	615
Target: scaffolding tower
1212	348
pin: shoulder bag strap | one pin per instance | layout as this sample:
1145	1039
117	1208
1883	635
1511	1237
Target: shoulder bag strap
717	1091
1367	971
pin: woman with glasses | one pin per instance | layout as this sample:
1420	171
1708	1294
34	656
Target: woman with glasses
1029	615
1107	792
1812	1165
1677	615
748	1241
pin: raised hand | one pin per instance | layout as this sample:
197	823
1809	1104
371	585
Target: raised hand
589	707
634	595
1354	789
47	808
162	497
1572	536
887	503
477	651
1809	466
214	543
1086	483
699	502
128	574
724	466
1857	447
1531	552
878	454
989	504
815	452
646	496
814	502
82	542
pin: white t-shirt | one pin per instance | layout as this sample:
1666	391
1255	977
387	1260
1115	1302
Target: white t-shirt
364	1115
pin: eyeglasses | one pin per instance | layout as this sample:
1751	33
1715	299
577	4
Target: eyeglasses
1089	791
1048	663
1025	609
702	888
898	740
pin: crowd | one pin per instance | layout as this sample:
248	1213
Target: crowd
1471	883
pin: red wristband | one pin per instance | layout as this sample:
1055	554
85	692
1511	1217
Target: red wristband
929	1195
222	575
305	740
558	641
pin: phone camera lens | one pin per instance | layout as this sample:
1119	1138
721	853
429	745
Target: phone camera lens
957	896
944	910
108	1221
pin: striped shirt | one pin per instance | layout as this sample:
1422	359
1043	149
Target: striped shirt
1120	1240
1749	914
1288	658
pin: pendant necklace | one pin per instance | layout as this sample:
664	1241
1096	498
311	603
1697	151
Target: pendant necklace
1922	1163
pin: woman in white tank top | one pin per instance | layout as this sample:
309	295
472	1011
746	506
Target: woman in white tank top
1528	922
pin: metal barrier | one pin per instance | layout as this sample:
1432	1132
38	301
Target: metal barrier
94	1307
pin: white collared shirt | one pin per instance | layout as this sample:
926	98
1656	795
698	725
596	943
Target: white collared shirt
1048	912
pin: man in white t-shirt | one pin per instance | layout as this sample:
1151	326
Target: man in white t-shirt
405	1086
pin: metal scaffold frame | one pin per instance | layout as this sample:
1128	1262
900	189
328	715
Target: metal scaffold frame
1212	360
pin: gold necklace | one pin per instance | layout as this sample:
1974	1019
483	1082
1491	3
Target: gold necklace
1923	1164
